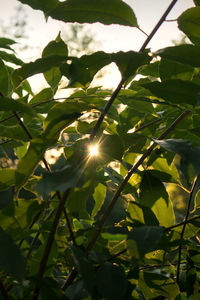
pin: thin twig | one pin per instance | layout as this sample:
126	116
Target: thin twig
160	22
69	227
37	235
126	179
182	223
49	244
184	226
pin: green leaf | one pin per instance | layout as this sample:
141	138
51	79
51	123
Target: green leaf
91	11
144	239
60	116
7	178
11	260
170	69
8	104
15	132
161	285
190	154
6	197
10	58
41	65
82	70
4	79
175	91
151	189
189	23
29	161
129	62
151	69
142	214
16	219
59	180
44	5
185	54
5	43
111	147
57	47
85	269
43	95
99	197
111	282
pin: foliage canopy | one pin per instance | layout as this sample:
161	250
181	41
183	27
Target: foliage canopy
100	226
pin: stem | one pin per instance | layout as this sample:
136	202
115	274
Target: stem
184	226
106	109
49	244
126	179
160	22
70	279
69	227
119	87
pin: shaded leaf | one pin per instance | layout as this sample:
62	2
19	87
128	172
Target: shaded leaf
175	91
11	260
59	180
85	268
144	239
6	197
185	54
170	69
8	104
111	282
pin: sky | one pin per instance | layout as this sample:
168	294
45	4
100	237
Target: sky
111	38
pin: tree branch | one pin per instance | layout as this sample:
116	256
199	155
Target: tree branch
126	179
119	87
184	226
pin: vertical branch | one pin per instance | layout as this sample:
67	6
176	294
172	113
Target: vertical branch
184	226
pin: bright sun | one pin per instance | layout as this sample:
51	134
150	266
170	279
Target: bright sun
94	150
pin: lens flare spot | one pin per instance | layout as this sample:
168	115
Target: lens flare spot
94	150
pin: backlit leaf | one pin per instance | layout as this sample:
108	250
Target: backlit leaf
41	65
189	23
99	196
90	11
